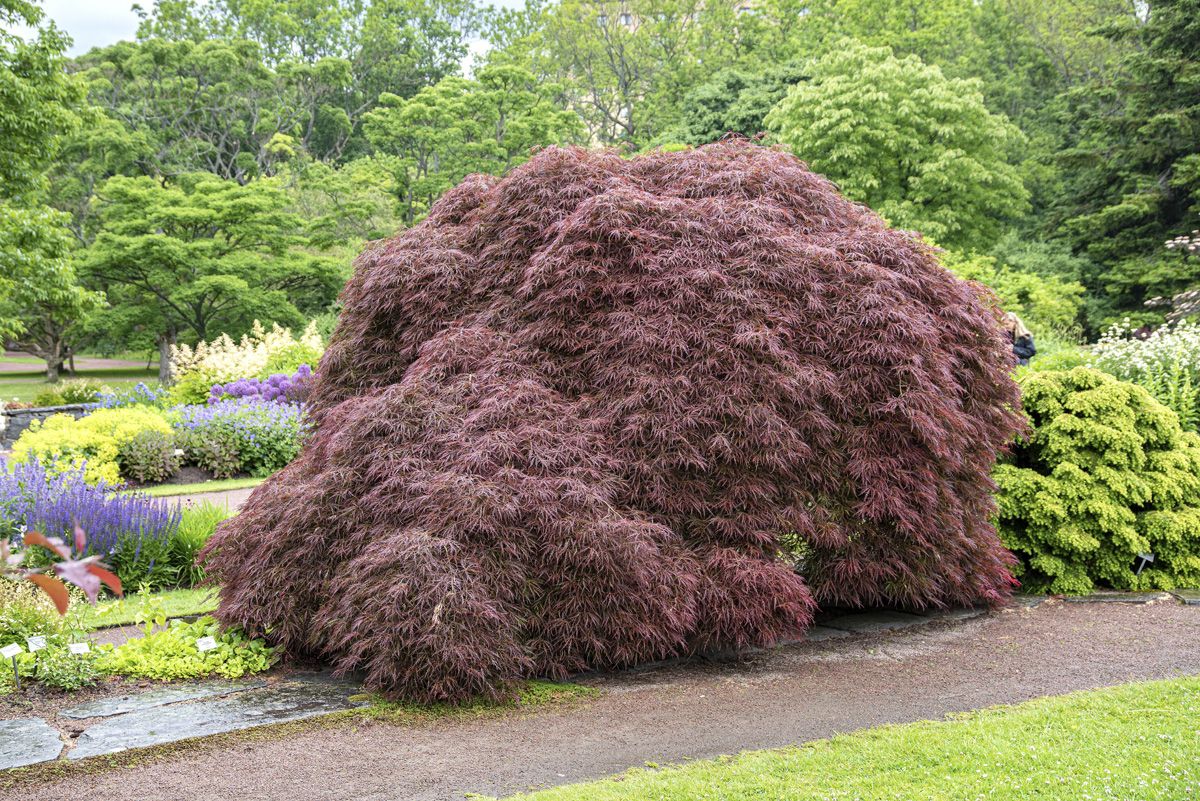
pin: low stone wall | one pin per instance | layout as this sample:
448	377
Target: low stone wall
15	421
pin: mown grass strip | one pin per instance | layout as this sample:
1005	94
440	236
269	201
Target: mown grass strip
1134	741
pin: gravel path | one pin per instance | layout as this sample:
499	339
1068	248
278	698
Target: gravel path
8	365
682	712
231	499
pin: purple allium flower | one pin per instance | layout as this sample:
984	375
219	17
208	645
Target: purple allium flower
278	387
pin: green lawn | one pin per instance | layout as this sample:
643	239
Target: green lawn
1137	741
172	603
25	385
216	485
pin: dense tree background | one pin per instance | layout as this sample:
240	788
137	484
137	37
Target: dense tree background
1052	147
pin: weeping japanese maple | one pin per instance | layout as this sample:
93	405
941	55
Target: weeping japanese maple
607	410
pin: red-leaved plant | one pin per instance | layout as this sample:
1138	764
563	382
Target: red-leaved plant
85	572
575	417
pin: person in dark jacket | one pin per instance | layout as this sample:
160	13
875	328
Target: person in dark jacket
1021	338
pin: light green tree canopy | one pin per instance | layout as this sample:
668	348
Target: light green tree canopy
459	126
40	301
199	255
42	306
921	149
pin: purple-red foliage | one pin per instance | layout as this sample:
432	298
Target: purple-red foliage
571	419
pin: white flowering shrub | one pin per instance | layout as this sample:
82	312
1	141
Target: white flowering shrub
1166	362
257	355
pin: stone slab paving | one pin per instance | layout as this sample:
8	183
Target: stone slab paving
1114	597
278	703
875	620
819	633
27	741
1189	597
108	707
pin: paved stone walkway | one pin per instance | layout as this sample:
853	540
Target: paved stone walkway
175	712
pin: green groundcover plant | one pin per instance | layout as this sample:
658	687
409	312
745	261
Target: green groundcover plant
169	651
174	653
1107	480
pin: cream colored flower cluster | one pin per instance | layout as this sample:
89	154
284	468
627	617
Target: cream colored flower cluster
1121	353
225	360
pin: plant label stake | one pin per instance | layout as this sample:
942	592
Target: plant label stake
35	644
205	644
79	648
10	652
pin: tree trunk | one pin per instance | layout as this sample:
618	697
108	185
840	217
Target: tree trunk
165	341
71	364
52	352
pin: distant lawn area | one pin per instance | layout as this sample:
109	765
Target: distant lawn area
1137	741
216	485
24	385
136	607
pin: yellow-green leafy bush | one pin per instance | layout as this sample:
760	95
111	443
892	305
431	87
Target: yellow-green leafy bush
1106	476
173	653
63	443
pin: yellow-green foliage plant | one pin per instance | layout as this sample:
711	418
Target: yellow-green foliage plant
63	443
1107	475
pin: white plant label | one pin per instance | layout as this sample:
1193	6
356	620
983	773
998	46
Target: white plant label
205	644
179	451
35	644
9	651
79	648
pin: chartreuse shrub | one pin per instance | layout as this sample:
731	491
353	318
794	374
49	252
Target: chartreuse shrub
94	442
575	417
1106	476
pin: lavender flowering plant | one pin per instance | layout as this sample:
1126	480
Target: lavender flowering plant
251	435
279	388
131	531
138	395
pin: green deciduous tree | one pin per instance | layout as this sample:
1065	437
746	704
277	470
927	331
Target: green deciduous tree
732	100
336	58
198	255
42	305
921	149
625	66
40	301
461	126
212	106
